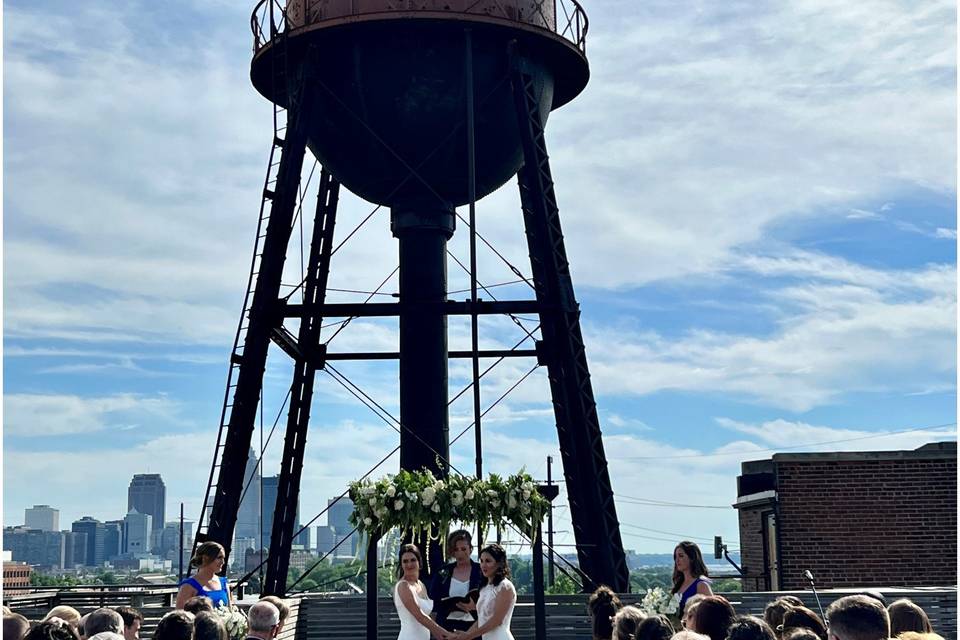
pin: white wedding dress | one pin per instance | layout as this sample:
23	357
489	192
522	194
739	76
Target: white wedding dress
487	604
410	629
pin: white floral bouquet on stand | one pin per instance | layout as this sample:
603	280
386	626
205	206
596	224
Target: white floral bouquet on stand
657	601
234	620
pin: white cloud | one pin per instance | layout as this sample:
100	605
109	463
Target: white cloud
30	415
949	234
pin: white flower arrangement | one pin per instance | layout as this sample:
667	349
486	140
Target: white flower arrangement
657	601
234	620
419	502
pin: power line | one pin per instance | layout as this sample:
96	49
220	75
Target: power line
794	446
662	503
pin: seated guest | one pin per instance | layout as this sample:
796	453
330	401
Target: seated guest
209	626
603	605
53	629
68	614
102	619
686	634
263	619
281	607
800	633
713	617
626	622
15	626
176	625
687	618
773	613
132	621
907	616
750	628
656	628
106	635
197	604
913	635
858	618
796	617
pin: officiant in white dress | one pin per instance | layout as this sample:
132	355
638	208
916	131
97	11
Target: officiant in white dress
497	598
412	601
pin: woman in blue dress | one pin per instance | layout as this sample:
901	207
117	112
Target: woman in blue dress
209	560
689	573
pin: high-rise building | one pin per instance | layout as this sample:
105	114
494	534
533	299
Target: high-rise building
326	538
42	517
74	549
96	536
112	539
248	515
137	530
35	547
148	495
270	489
338	516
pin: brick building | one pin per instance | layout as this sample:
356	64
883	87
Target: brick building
857	519
16	577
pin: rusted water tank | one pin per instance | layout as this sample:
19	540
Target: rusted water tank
388	90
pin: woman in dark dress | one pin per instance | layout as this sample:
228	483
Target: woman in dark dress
689	573
457	578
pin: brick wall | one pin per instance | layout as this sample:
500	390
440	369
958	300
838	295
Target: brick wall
865	521
751	549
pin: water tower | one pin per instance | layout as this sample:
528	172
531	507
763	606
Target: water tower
420	106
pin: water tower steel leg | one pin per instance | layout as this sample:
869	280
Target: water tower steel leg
262	319
424	438
304	373
589	492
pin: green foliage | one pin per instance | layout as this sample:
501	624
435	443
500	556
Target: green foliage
726	585
651	578
45	580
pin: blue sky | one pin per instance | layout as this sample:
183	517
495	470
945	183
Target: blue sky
759	202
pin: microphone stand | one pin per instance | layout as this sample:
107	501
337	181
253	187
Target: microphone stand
809	576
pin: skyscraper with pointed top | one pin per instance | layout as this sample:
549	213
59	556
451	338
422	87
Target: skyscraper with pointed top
148	495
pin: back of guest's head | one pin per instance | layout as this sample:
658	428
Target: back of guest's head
750	628
176	625
713	616
687	634
129	615
858	617
793	601
15	626
905	615
603	605
209	626
197	604
280	605
689	609
263	616
800	633
655	628
102	619
774	611
913	635
626	622
68	614
803	617
53	628
106	635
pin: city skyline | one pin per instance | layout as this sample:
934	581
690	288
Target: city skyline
759	208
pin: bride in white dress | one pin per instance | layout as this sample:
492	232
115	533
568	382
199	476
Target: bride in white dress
411	599
497	598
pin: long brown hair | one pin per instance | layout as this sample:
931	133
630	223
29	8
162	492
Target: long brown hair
906	615
697	567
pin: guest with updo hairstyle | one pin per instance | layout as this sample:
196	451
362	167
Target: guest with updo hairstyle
905	615
603	606
626	622
803	617
713	617
773	613
209	560
66	613
655	628
750	628
53	628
